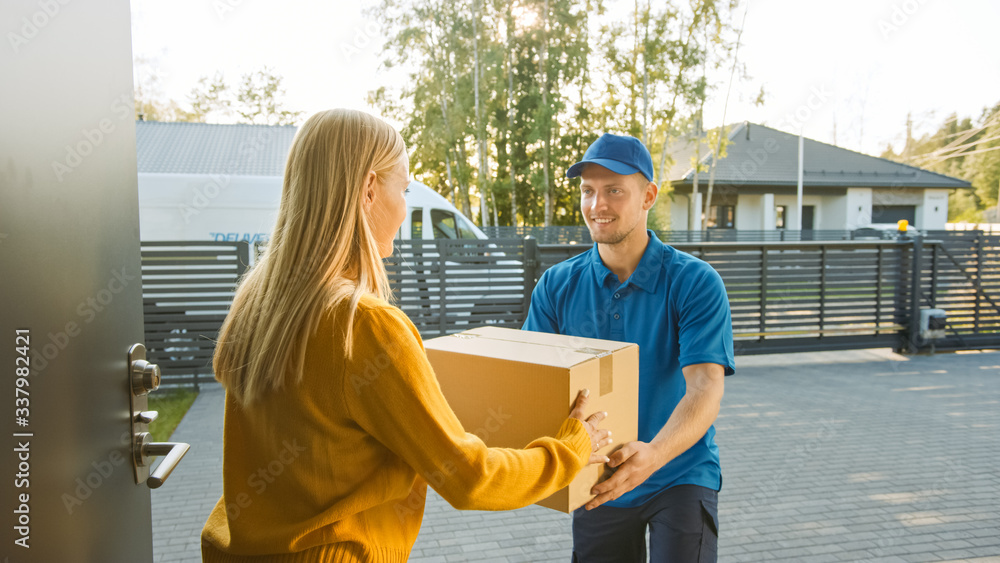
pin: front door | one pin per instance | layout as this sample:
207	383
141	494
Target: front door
808	215
70	287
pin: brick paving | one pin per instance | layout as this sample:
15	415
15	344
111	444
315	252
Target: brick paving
832	456
182	504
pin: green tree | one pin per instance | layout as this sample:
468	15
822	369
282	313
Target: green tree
210	98
657	81
964	149
432	39
149	100
504	95
259	99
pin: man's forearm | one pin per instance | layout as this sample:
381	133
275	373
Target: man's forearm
692	417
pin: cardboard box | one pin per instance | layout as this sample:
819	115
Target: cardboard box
510	387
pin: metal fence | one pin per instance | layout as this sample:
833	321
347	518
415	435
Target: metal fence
852	294
187	288
961	274
803	296
447	286
559	234
784	296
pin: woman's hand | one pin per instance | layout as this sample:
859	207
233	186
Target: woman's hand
598	437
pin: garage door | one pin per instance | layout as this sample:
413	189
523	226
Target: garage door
894	213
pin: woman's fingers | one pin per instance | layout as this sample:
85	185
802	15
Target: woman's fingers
599	437
597	417
579	404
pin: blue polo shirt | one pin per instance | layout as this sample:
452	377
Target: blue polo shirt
674	306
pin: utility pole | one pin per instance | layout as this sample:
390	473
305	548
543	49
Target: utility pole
798	192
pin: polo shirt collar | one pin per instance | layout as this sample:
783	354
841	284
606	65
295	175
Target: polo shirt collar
651	262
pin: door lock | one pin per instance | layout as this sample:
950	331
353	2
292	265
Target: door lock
144	377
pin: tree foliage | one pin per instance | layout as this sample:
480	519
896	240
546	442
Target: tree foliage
505	95
256	99
259	100
963	148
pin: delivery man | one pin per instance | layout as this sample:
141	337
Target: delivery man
631	287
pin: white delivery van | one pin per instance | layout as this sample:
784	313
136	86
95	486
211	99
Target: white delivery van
429	216
204	181
244	208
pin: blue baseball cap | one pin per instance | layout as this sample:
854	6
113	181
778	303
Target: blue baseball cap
620	154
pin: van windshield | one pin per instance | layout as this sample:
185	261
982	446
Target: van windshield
465	229
448	225
443	223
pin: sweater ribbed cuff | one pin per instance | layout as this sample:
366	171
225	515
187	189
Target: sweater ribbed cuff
330	553
573	432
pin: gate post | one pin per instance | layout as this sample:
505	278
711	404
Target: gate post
913	338
442	287
531	266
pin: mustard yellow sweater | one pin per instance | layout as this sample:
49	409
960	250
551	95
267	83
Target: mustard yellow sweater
336	468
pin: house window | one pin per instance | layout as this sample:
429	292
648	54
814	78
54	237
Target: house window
721	217
780	216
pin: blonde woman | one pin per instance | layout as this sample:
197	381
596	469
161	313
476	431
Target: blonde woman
334	420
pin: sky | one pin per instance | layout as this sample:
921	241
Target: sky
846	72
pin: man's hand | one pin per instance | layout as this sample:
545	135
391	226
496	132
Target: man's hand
635	461
692	417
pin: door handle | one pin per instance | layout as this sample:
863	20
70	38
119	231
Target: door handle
148	449
144	377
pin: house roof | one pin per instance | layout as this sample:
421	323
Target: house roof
760	155
208	148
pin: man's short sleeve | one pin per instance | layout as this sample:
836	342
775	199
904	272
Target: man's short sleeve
541	313
705	327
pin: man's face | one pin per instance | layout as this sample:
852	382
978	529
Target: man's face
613	205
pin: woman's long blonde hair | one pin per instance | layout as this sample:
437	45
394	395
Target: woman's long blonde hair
322	251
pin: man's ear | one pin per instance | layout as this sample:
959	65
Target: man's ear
650	197
369	190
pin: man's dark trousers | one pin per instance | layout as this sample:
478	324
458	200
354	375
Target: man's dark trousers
683	528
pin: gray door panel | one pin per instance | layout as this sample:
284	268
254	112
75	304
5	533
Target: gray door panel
70	275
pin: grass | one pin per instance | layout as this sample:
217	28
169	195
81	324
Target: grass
172	404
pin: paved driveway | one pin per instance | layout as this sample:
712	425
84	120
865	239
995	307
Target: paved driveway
833	456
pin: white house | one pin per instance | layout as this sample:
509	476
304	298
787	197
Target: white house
756	182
